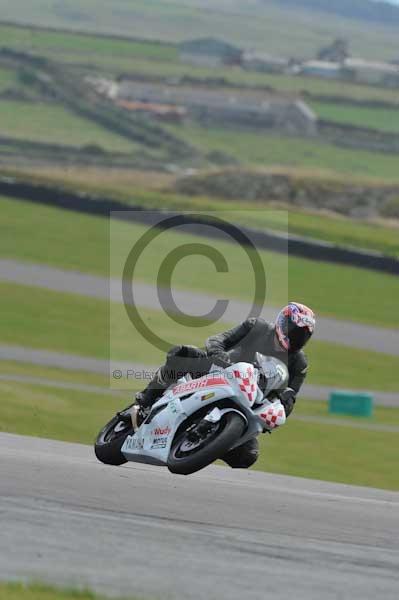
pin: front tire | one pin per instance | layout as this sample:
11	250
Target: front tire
110	440
231	428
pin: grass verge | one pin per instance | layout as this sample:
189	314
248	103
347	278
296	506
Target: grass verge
12	368
39	591
55	413
64	239
332	453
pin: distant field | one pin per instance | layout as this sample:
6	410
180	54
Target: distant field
381	119
76	241
271	150
54	124
53	43
234	75
7	78
161	59
266	26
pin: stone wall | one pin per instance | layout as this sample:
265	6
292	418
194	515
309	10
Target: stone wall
359	138
355	200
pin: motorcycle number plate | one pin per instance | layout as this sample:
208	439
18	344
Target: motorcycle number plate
134	443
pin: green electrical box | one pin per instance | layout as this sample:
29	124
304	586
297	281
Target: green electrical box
359	404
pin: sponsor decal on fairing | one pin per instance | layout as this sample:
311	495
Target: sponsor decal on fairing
199	384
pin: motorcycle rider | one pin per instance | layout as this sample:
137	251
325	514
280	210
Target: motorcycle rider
284	340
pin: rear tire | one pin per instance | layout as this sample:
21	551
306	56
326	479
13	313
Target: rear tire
231	429
110	440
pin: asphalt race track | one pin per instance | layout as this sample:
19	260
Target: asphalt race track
219	534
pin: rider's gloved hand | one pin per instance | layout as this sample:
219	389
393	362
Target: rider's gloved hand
221	359
287	399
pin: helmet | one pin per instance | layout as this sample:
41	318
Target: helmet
294	326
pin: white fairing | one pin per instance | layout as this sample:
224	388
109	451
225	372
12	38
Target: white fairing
238	383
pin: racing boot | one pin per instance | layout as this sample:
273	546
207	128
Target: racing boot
146	398
138	414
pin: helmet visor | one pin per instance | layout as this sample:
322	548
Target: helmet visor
298	337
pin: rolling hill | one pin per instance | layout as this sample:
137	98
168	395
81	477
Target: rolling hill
287	27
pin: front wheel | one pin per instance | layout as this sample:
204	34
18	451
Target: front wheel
187	456
111	438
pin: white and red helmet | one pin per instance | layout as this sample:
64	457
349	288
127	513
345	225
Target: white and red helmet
295	325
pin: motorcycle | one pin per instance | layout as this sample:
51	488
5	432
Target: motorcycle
197	421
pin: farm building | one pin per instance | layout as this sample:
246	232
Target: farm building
209	52
374	73
321	68
225	107
260	61
104	87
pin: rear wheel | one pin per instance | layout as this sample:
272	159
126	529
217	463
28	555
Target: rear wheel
111	439
190	453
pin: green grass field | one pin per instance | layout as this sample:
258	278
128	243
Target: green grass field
332	453
374	118
66	415
7	78
339	230
132	188
344	454
37	591
72	45
345	231
54	124
41	319
263	149
75	241
53	373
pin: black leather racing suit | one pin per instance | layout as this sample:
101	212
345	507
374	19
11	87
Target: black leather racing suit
256	335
